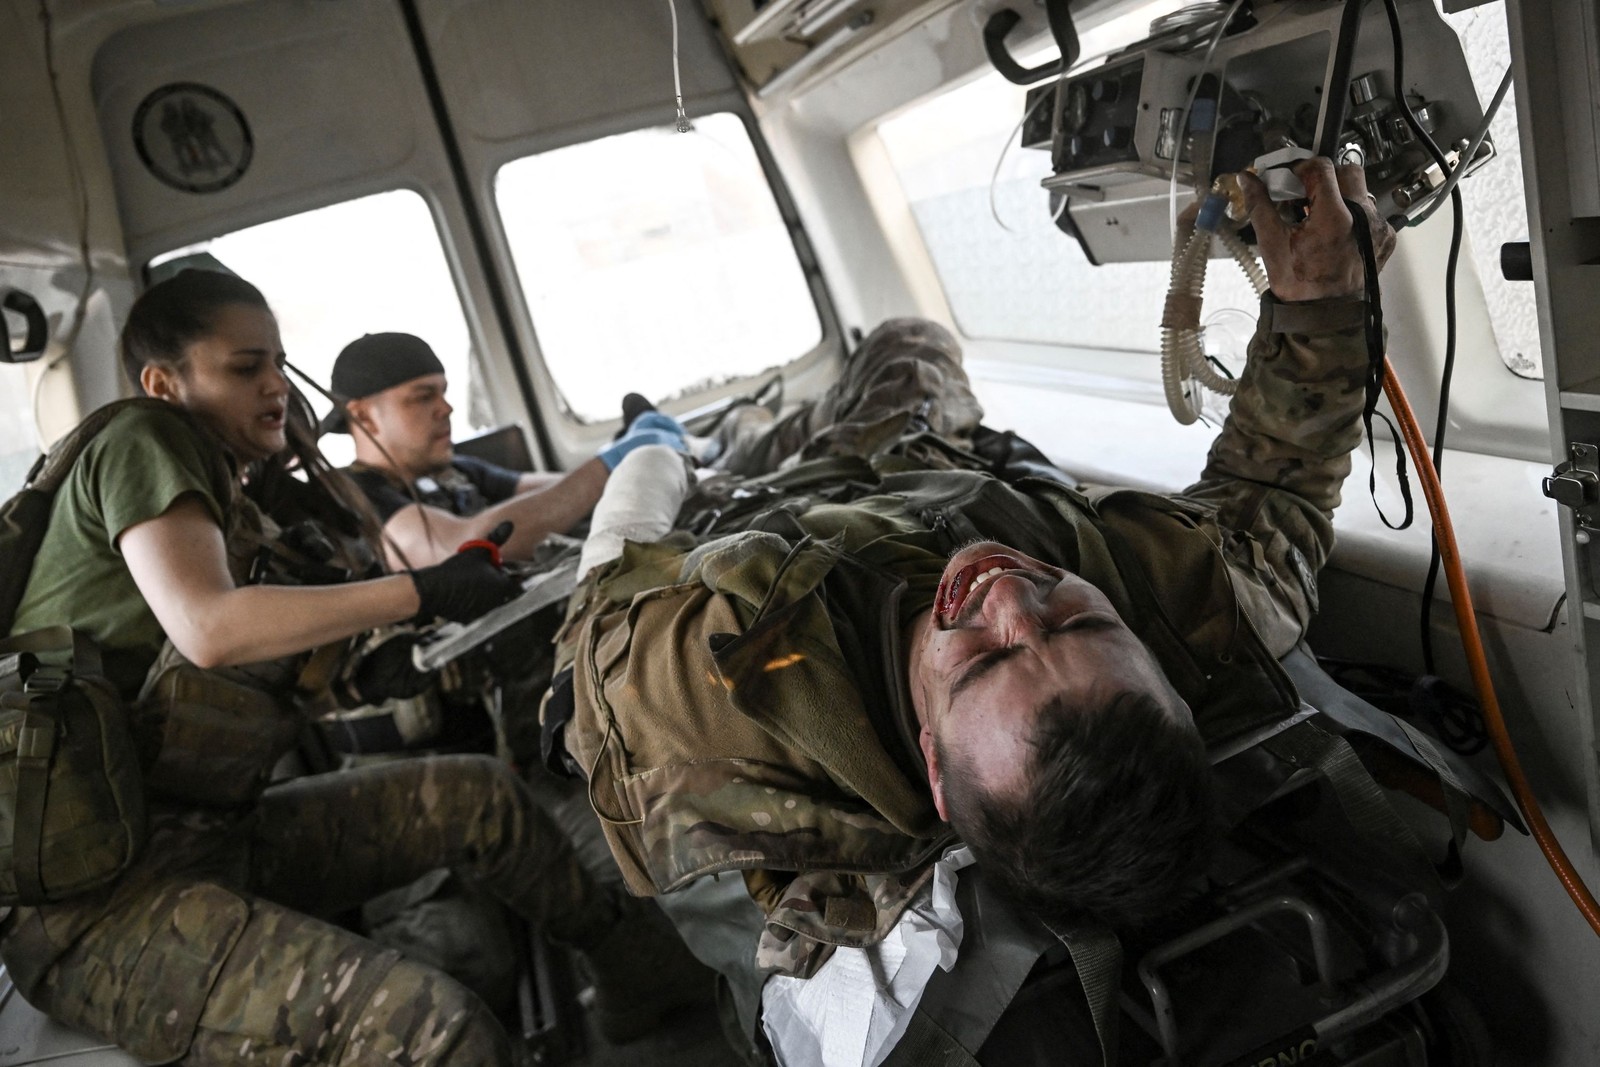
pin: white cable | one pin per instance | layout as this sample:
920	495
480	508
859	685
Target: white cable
1183	120
994	179
81	187
684	125
1466	157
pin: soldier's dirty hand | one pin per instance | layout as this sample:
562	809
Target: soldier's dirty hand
385	672
467	584
1317	258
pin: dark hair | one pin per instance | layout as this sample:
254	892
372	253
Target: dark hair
1114	820
172	314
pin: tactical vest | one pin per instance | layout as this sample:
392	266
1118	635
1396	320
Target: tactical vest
213	736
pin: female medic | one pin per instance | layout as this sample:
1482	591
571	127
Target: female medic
208	948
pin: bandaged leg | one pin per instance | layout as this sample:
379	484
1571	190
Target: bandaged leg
641	500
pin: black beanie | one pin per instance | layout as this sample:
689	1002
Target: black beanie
372	363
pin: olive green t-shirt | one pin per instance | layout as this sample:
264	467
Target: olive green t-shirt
143	461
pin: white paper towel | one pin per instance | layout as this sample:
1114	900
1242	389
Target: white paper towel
853	1011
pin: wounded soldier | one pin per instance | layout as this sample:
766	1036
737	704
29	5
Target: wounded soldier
911	629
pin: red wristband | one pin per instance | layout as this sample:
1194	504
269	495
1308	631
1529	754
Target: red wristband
493	549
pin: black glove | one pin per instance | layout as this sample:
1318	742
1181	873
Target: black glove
386	672
467	584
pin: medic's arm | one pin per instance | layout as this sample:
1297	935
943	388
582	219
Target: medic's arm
1275	472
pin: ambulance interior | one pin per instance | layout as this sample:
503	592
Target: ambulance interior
698	201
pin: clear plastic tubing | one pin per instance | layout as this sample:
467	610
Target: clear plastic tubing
1182	348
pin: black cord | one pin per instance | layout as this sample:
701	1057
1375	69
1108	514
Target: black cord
1376	361
1461	738
1422	135
1400	92
1442	424
1344	51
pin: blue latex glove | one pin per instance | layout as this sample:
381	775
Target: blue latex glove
657	420
612	454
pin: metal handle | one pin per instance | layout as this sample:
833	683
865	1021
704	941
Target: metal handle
1000	25
38	332
1161	998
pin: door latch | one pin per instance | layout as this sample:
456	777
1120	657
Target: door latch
1576	484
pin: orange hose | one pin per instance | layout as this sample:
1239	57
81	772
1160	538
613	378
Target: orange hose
1477	662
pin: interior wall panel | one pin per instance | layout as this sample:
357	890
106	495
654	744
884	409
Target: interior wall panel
329	92
517	68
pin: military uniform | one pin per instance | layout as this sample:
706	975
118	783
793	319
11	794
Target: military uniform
429	918
738	699
206	950
465	486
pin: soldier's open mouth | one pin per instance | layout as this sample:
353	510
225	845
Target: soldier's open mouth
954	591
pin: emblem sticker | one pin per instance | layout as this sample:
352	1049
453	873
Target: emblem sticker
192	138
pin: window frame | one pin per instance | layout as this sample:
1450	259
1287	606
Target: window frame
496	381
575	438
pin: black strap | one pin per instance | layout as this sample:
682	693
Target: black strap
926	1044
1376	361
559	710
1097	956
36	743
362	735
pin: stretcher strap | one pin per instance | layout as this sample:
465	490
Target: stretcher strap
1097	955
1457	798
1364	805
927	1044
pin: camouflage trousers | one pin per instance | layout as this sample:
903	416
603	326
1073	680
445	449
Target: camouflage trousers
904	376
208	952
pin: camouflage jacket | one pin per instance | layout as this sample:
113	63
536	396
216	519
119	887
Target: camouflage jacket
739	700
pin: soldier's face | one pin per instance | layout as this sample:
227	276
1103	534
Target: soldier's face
411	421
232	378
1007	636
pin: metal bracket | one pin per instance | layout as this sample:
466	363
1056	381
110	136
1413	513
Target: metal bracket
1576	484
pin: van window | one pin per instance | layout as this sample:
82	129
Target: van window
655	262
1009	274
19	444
369	265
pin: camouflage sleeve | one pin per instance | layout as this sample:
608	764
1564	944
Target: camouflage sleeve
1275	471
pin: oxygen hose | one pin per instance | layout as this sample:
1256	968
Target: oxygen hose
1477	662
1183	353
1183	356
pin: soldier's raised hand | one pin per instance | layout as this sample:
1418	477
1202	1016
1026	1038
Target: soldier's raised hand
1317	258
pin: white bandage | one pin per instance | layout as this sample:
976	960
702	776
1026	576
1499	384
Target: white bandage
641	499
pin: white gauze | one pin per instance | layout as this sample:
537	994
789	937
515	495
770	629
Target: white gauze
641	499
